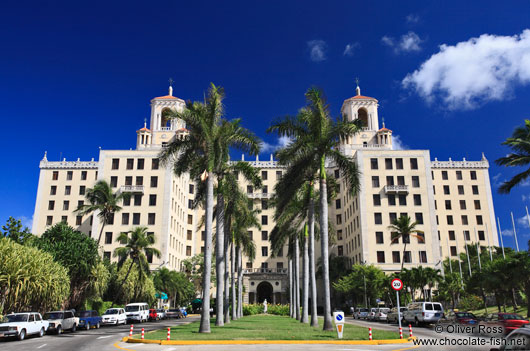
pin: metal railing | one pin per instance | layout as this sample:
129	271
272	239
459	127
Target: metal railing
132	188
396	188
265	270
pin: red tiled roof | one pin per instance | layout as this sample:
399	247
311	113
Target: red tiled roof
143	129
362	97
384	130
166	97
182	130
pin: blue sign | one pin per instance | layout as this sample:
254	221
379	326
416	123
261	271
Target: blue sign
339	317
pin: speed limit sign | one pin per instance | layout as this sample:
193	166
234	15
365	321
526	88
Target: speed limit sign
397	284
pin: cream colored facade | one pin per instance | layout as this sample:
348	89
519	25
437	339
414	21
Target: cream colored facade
393	183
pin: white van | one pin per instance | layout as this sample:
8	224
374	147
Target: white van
423	312
138	311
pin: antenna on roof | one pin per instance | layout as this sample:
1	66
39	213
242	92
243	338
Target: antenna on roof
171	86
357	90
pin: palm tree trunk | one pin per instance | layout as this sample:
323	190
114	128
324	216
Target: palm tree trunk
232	265
305	279
291	289
324	240
226	311
219	259
122	282
101	231
297	277
403	260
312	276
240	282
206	279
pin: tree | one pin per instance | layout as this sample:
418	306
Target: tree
102	200
404	229
138	245
353	284
76	252
316	138
519	142
175	284
13	230
128	276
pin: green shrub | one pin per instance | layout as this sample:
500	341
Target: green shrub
251	309
280	310
470	302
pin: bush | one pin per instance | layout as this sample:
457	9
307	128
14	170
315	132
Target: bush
280	310
470	303
249	310
99	305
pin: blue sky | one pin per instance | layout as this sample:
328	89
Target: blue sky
75	76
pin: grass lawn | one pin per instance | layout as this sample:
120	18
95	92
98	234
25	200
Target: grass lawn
509	309
266	327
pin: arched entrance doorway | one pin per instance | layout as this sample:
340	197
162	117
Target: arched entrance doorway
264	291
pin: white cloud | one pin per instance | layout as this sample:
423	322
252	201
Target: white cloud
507	232
281	142
409	42
473	72
350	49
522	221
397	143
497	180
412	18
317	50
26	221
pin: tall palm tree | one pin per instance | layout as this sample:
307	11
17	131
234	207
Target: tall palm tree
316	138
519	142
404	229
138	245
104	201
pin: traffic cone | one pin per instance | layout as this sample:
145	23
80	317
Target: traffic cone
142	333
410	331
131	331
369	333
400	333
168	334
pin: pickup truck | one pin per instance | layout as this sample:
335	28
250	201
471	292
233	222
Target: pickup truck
61	321
89	319
20	325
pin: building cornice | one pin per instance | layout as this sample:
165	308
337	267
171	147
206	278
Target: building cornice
68	164
460	164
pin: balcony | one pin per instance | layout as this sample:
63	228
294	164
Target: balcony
396	189
265	270
132	189
259	195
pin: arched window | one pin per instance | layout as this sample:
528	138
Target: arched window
363	116
166	122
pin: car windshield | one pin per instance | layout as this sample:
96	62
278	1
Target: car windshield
12	318
437	306
85	314
465	315
54	315
112	311
385	310
364	310
132	308
513	316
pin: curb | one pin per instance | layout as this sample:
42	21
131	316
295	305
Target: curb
262	342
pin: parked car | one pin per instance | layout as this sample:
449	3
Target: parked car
153	316
61	321
423	312
161	313
361	313
519	339
114	316
88	319
371	314
20	325
392	316
138	311
381	314
174	313
507	321
452	318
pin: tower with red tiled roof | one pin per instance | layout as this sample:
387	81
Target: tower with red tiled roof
164	128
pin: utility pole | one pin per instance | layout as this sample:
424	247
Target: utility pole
515	233
500	235
478	250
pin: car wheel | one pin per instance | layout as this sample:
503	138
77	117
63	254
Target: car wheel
42	332
22	335
59	330
97	326
74	328
87	326
416	322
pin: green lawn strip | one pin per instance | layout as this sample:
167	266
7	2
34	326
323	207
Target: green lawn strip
266	327
493	309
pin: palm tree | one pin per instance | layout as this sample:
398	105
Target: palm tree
102	200
433	276
404	229
316	138
138	246
519	142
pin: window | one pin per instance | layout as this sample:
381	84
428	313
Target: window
125	219
250	190
155	163
379	238
444	175
189	235
479	220
113	181
264	175
380	257
110	220
130	163
53	190
377	200
280	252
149	256
453	250
152	200
264	235
78	220
190	204
265	189
396	257
481	235
108	238
278	174
128	180
378	218
250	235
399	163
51	205
264	251
417	200
249	265
137	199
415	181
264	265
140	164
339	234
55	175
423	256
115	163
265	204
337	204
388	163
82	190
402	200
477	204
401	180
462	204
192	188
460	190
83	175
459	175
464	220
446	190
447	204
136	218
419	217
452	235
450	220
467	236
392	216
203	235
49	220
473	175
373	163
67	190
375	182
413	163
127	201
66	205
154	181
139	180
339	219
190	219
151	219
69	175
264	220
475	189
407	257
391	200
188	250
389	180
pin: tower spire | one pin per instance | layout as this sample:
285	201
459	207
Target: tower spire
145	122
170	86
357	90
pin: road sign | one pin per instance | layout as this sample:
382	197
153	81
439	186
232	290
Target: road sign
397	284
338	317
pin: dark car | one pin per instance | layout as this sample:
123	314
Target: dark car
173	313
507	321
451	319
88	319
153	316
